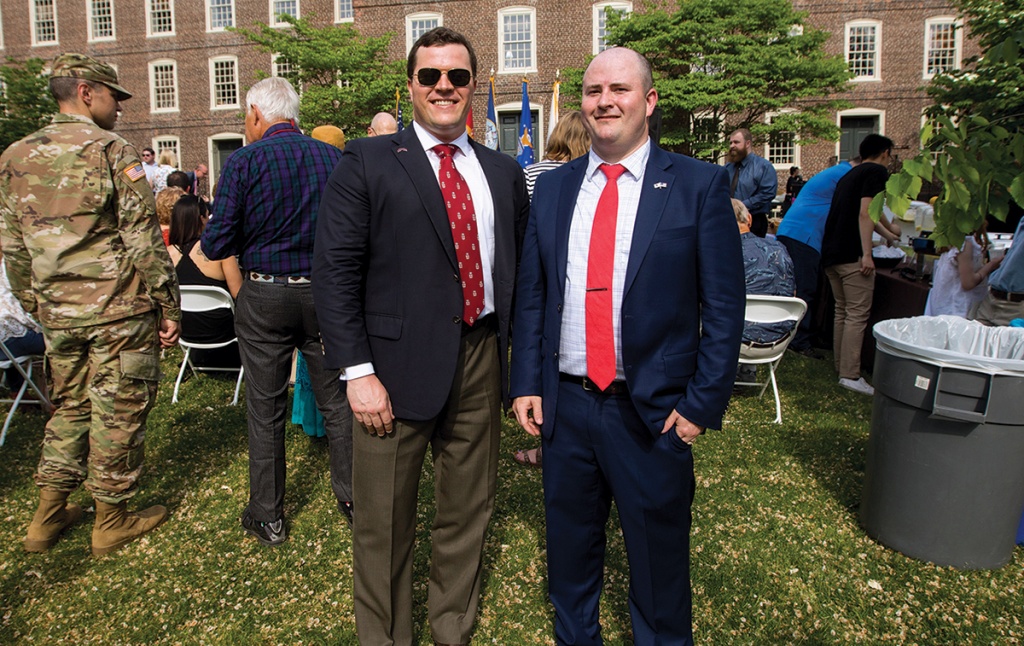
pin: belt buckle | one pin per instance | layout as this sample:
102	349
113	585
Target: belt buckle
590	386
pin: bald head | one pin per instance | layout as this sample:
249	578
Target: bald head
618	97
626	56
383	124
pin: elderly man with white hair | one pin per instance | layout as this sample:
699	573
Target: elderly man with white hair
265	212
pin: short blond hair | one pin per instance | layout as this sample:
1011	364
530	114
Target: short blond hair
739	209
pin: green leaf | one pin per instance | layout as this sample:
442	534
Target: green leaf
1017	189
877	206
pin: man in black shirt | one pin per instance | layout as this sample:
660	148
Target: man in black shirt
846	256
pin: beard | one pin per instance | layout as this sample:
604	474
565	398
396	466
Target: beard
737	155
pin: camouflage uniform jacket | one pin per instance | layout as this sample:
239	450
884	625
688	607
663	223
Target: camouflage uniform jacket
79	230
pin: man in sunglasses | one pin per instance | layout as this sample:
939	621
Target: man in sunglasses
417	245
149	163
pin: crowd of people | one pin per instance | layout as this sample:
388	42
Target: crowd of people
394	265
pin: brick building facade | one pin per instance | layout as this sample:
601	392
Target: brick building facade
189	76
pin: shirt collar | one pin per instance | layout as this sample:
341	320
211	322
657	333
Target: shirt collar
428	140
283	125
66	117
635	163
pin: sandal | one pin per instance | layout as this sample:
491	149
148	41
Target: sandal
531	458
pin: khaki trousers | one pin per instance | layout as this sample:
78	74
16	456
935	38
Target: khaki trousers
854	292
463	441
993	311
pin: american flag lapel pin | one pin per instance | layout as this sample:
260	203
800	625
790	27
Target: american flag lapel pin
660	185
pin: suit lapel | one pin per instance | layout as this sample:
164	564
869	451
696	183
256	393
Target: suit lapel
410	154
649	210
566	205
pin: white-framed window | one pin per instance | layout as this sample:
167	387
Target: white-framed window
707	133
601	10
863	48
167	142
417	24
224	83
159	17
283	8
942	45
101	20
279	66
44	21
781	148
1	30
220	14
517	39
344	11
163	86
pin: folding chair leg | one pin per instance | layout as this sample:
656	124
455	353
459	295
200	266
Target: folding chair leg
181	373
775	389
238	385
14	409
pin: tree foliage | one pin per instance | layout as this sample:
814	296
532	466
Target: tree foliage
25	103
974	143
725	64
345	77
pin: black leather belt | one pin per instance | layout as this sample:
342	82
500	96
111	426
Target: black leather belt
1006	296
489	322
614	388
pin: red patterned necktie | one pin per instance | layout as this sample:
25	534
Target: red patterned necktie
462	217
600	266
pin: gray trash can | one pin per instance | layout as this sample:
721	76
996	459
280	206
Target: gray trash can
944	480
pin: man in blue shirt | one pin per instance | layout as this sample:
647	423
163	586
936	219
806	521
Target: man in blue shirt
1005	299
801	232
752	180
265	213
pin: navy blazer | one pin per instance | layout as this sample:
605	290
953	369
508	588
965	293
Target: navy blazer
683	300
385	280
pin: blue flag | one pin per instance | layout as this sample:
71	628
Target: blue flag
524	147
491	127
401	126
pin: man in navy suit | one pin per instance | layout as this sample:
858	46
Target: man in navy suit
417	244
627	332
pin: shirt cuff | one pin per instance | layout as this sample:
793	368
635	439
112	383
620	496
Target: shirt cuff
355	372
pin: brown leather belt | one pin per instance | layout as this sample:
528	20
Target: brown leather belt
614	388
1006	296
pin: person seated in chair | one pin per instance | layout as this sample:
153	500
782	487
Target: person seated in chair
768	270
19	332
188	219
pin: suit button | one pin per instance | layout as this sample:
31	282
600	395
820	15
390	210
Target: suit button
455	277
554	356
456	320
559	307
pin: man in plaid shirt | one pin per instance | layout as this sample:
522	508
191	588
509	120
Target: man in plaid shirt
265	213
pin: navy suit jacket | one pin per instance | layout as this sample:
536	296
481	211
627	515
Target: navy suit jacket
683	301
385	281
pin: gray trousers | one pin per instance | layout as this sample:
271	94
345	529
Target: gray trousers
271	321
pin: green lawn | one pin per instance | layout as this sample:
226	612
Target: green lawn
778	556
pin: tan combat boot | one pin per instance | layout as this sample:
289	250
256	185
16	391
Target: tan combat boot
53	516
116	526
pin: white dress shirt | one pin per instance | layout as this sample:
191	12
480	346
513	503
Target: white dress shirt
468	165
572	353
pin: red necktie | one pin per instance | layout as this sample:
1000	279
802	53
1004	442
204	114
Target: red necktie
600	265
462	217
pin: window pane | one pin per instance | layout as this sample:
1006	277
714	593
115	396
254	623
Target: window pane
602	26
421	26
225	89
102	19
862	49
166	143
287	8
165	95
941	47
517	41
161	19
782	148
222	14
345	11
46	21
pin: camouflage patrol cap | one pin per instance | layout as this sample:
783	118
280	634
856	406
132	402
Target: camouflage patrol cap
80	66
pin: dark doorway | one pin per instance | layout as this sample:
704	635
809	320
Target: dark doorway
508	133
854	129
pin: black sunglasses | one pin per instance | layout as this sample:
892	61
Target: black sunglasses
429	76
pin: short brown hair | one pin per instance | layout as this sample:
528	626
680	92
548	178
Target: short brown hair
437	37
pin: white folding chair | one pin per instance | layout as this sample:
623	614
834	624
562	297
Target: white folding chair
770	309
204	298
24	366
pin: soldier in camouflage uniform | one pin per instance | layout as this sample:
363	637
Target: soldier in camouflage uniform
85	255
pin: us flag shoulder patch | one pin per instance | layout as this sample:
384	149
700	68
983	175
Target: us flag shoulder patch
135	172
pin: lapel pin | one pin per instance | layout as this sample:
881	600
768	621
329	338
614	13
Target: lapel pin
660	185
402	150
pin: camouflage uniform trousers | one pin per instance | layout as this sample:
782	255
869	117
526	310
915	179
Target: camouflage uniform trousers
103	380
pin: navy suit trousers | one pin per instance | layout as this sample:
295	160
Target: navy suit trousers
601	450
